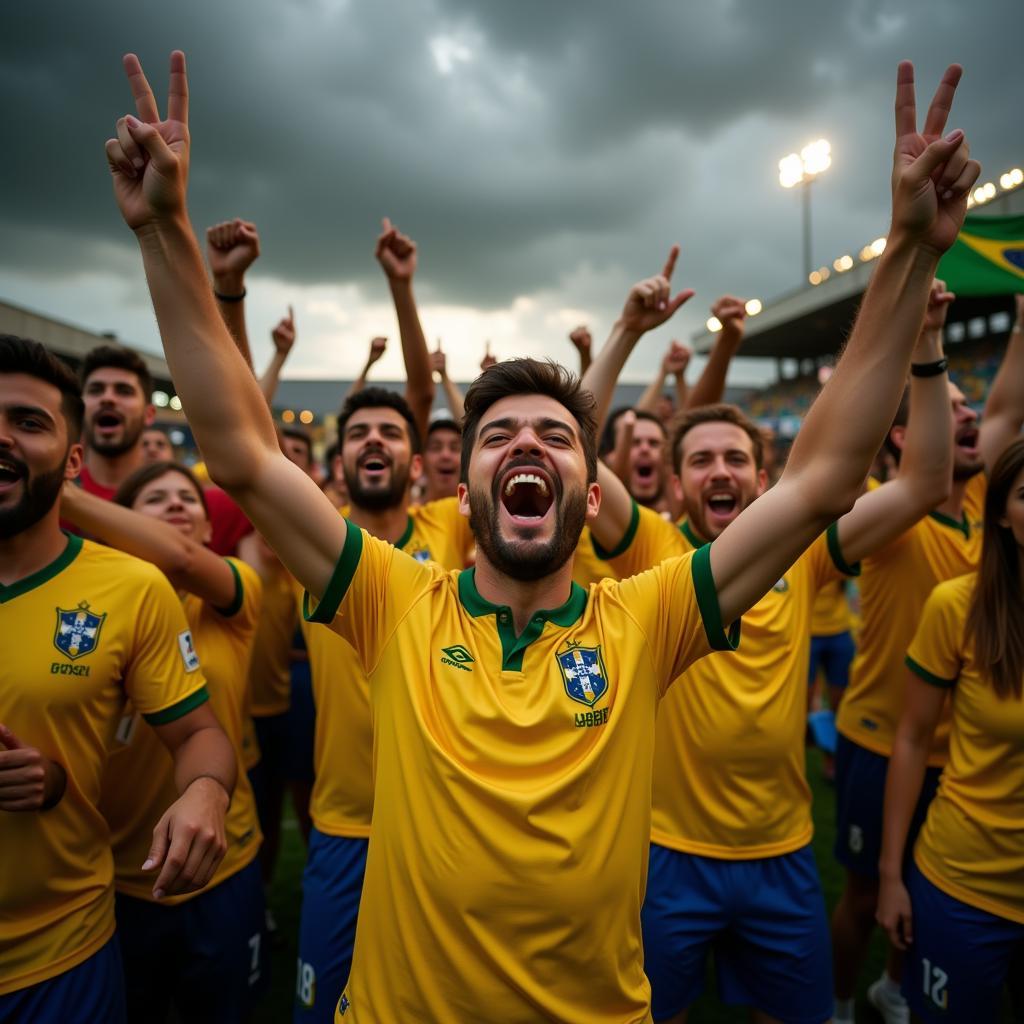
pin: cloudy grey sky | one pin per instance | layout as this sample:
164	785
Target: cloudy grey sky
544	155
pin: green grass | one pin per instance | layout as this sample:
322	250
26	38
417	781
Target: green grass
286	898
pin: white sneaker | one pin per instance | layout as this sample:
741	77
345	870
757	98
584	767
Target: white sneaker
891	1006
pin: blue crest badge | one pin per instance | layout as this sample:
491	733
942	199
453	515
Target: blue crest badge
78	631
583	674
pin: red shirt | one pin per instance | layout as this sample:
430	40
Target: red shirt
90	486
229	522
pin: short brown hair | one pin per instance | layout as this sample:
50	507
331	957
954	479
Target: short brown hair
23	355
530	377
130	487
121	359
719	413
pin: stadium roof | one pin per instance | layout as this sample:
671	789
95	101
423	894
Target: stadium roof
813	321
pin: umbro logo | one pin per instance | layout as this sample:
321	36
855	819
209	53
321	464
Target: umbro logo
457	657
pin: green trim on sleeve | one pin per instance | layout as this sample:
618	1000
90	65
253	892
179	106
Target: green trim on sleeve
836	551
179	710
928	677
707	602
236	605
341	578
628	537
404	539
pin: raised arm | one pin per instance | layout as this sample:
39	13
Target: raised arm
225	407
396	254
1004	408
732	314
583	342
283	337
188	564
926	463
231	249
674	364
847	423
378	346
649	304
439	365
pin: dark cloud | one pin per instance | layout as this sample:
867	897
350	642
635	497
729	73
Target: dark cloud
565	133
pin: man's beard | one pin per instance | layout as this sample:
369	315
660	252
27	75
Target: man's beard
112	449
39	494
966	470
522	560
378	499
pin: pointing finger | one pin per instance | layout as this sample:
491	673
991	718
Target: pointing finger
670	263
145	101
942	103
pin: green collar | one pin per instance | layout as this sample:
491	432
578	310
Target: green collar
687	531
514	647
963	526
37	579
404	539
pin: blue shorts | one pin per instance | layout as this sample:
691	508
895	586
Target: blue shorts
92	991
960	959
764	919
860	795
207	957
834	655
331	886
301	721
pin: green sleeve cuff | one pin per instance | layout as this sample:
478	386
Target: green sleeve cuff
832	536
179	710
707	602
928	677
341	578
623	546
236	605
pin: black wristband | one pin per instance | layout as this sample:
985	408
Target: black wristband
229	298
929	369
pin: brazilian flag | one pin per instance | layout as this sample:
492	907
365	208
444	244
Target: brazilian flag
987	257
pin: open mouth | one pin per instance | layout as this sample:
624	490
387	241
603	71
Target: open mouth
526	496
968	439
107	421
374	463
644	472
10	473
722	504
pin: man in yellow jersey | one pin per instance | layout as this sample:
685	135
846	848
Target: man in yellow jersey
894	585
87	626
513	714
731	863
379	456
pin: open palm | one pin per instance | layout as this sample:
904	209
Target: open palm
149	158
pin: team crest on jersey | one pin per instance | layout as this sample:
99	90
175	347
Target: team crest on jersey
78	631
583	674
421	554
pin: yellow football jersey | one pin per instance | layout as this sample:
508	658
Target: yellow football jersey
511	815
590	565
138	785
972	843
831	613
894	586
92	627
270	670
729	776
342	799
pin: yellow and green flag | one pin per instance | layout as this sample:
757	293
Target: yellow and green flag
987	257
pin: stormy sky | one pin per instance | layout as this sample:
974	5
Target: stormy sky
543	155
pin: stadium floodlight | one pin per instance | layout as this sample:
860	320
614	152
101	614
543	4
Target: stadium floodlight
753	307
801	169
714	325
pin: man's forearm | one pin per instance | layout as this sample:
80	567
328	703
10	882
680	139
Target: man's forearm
419	387
710	385
847	422
206	753
226	408
272	376
456	404
649	399
927	458
232	310
1004	407
604	371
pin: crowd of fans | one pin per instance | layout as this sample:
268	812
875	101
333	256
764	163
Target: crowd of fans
451	638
